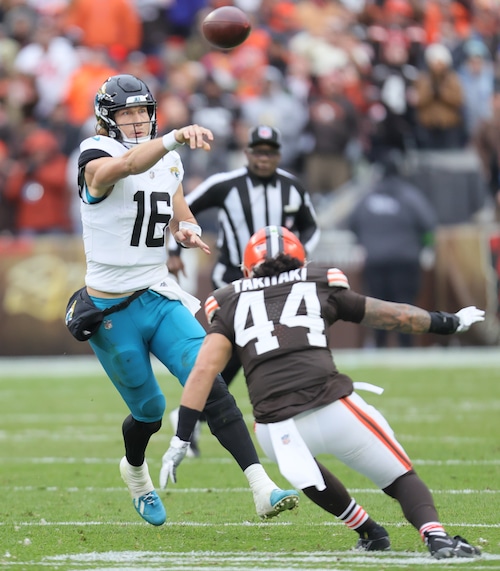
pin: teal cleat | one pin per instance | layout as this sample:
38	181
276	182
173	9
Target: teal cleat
150	508
146	501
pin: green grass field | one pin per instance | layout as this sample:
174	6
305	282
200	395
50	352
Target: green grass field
65	507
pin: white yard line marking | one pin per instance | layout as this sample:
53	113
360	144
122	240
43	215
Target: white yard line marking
320	561
44	523
176	490
74	460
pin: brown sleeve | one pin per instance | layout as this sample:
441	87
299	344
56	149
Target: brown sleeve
349	305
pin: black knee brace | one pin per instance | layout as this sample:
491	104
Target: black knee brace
136	435
220	409
144	429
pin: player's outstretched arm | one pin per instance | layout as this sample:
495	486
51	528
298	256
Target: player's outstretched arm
103	173
213	356
407	318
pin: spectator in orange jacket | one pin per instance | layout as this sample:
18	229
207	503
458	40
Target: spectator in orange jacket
36	186
84	83
7	211
438	15
109	23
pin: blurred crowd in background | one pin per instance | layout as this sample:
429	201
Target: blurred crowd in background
345	81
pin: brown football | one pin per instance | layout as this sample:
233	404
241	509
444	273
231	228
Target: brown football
226	27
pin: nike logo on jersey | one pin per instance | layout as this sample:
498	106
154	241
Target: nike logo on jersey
211	306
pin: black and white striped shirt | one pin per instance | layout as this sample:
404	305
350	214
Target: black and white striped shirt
246	203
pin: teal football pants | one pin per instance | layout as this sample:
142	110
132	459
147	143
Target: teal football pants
151	324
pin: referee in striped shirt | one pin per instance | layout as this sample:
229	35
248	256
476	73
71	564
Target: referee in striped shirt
247	199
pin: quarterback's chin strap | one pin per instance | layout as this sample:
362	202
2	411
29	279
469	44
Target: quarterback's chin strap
129	143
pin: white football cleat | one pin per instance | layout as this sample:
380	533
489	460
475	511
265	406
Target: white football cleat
270	505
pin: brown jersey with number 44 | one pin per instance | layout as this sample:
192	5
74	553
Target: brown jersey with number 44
289	314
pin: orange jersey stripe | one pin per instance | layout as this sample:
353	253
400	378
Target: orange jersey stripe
211	306
378	432
337	278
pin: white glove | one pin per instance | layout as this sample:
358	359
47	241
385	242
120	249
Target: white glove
171	459
468	316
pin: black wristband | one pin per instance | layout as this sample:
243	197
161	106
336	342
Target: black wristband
443	323
188	417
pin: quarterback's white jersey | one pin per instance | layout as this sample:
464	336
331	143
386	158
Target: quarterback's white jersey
124	234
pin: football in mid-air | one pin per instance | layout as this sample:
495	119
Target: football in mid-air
226	27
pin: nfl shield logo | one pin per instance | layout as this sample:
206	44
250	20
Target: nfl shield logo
265	132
